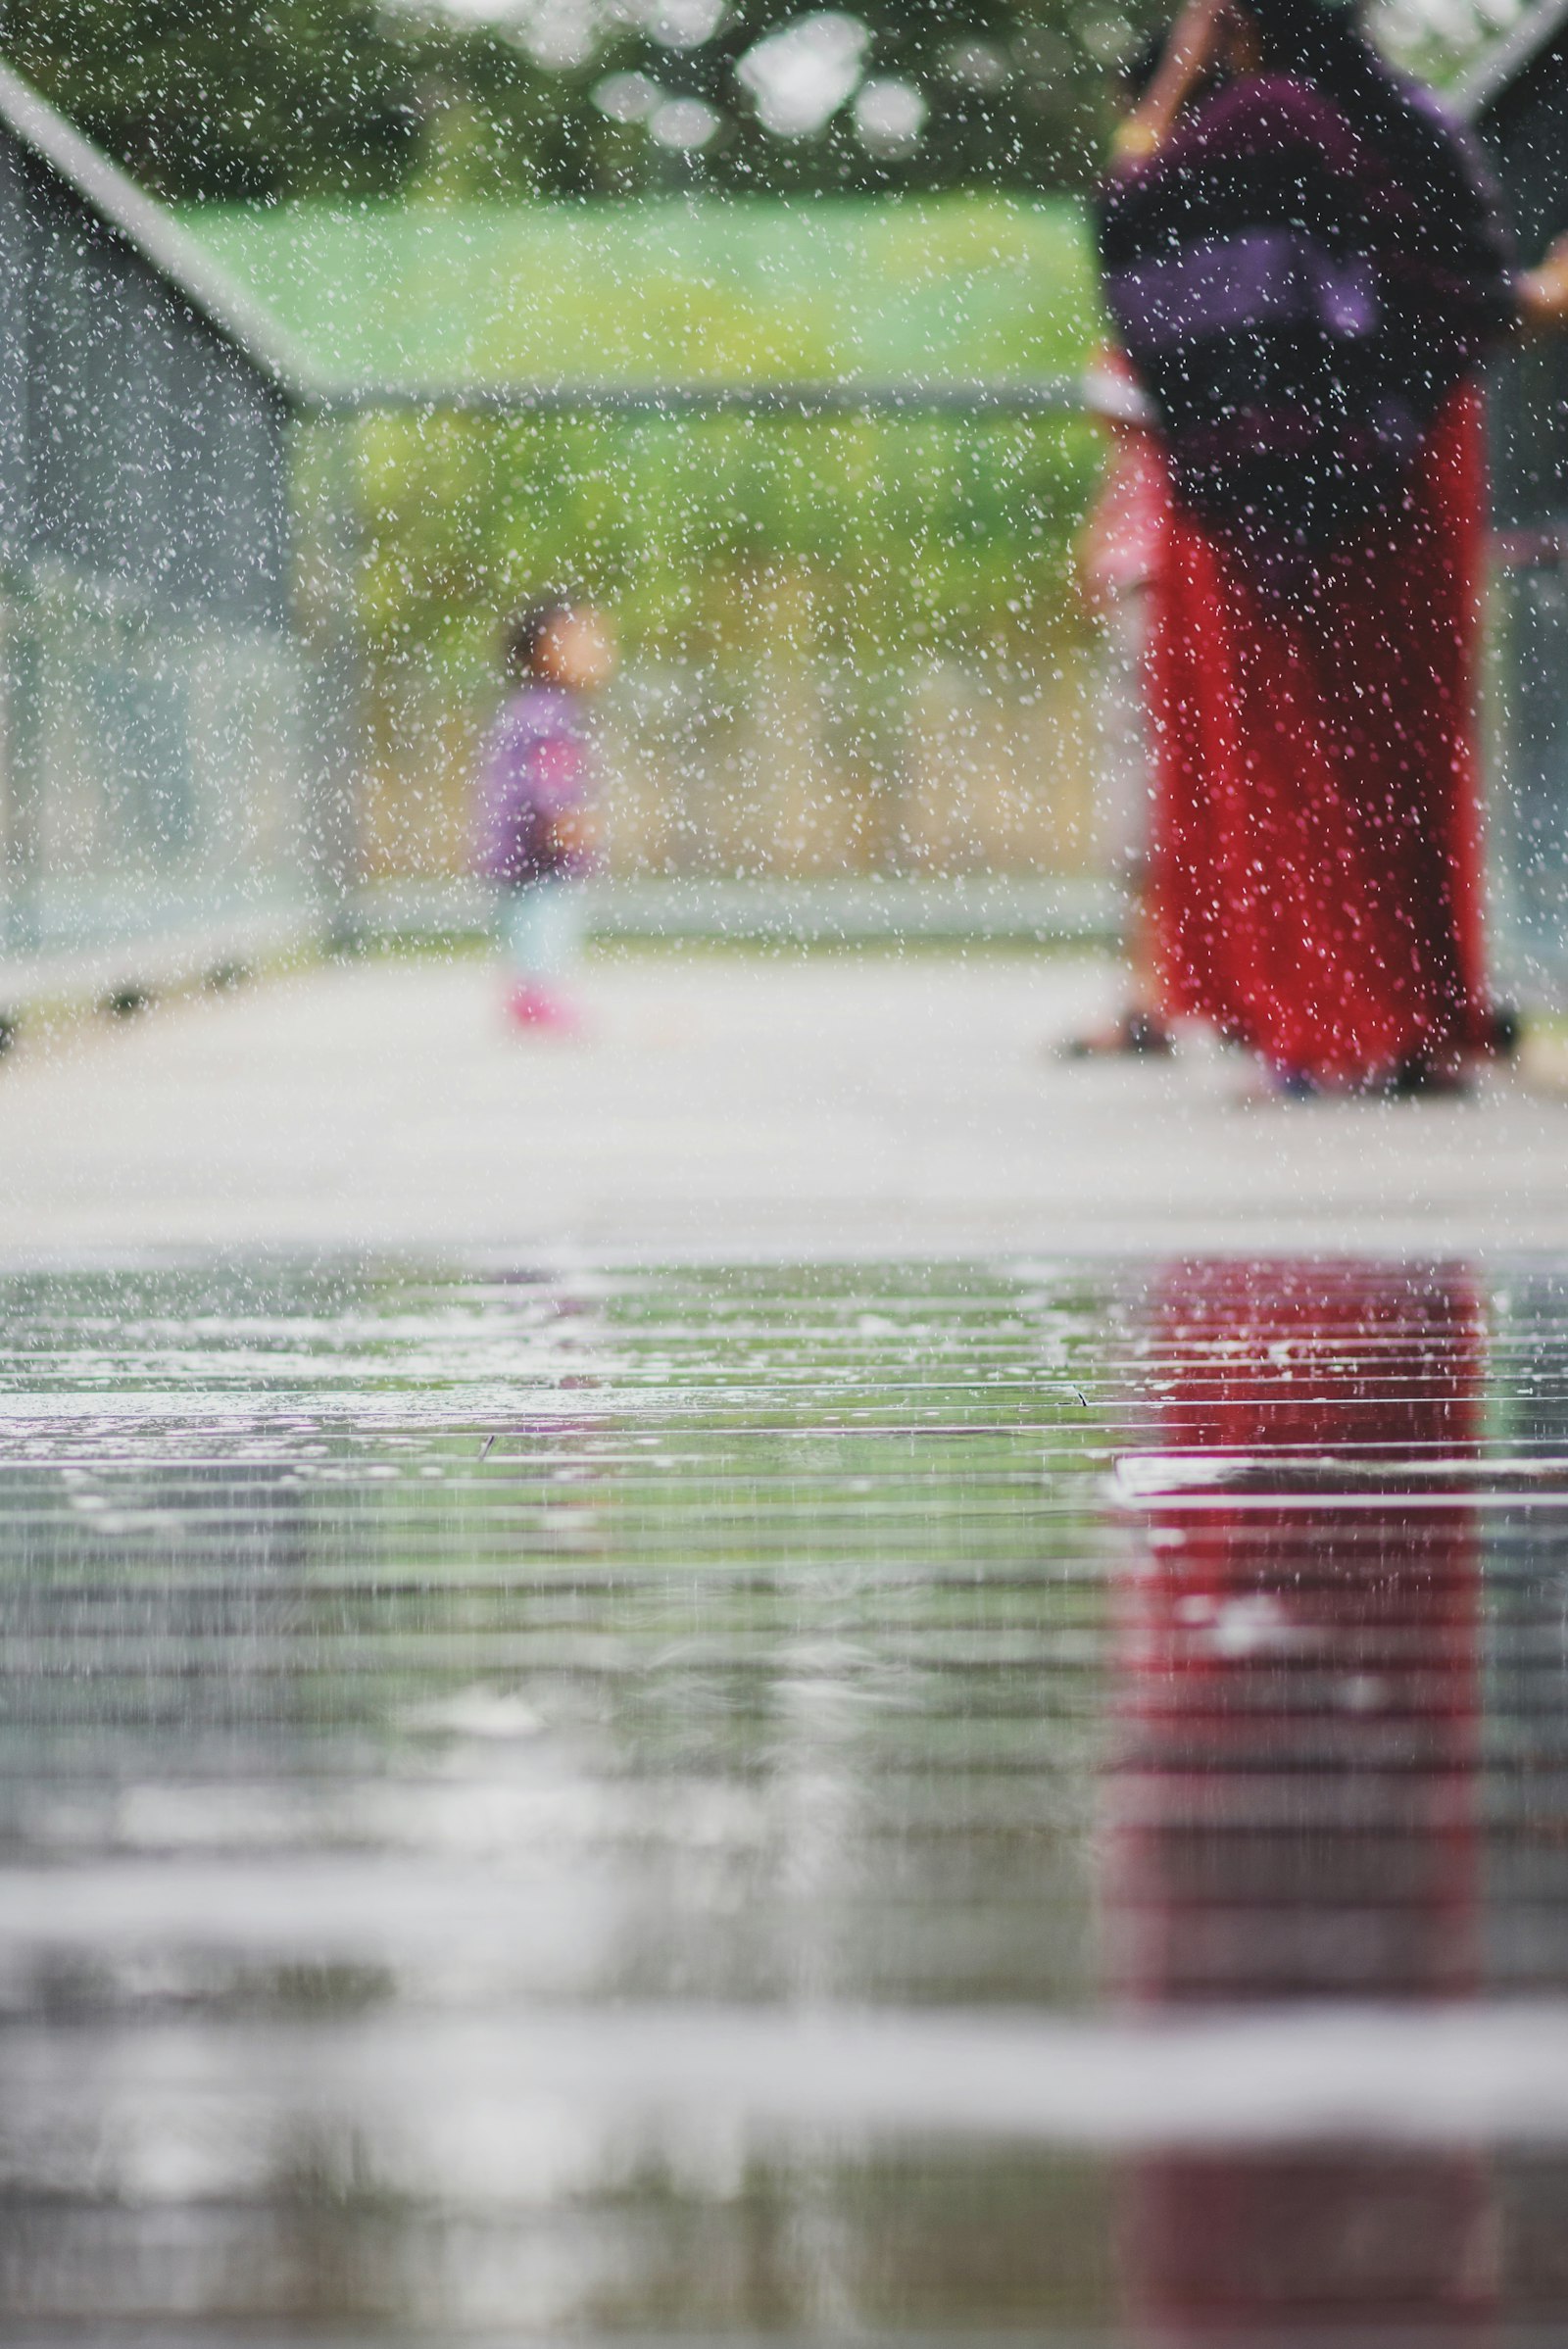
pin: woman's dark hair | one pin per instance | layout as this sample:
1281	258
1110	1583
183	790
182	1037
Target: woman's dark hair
1144	60
1324	45
1321	42
523	635
1141	63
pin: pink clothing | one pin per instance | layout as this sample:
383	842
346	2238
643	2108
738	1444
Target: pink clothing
1122	542
536	769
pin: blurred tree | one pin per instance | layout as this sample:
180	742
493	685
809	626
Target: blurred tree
231	99
226	98
895	93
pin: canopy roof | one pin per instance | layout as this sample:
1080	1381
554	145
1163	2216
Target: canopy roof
1508	60
137	220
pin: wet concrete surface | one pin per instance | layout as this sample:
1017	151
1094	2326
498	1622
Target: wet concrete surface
1026	1796
727	1105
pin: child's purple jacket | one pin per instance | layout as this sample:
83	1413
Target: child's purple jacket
535	766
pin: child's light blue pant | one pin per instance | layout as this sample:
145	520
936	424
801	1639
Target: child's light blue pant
542	925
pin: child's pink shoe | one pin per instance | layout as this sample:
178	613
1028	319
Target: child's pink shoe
532	1006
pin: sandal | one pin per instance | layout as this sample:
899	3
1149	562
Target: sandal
1137	1035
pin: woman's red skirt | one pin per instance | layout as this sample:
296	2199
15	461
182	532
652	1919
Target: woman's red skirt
1316	865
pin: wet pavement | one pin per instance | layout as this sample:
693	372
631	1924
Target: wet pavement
881	1800
729	1105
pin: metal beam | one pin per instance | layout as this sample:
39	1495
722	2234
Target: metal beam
150	229
1047	395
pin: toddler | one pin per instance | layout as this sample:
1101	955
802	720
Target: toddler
537	834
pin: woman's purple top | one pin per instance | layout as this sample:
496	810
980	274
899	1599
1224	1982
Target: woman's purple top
536	766
1299	289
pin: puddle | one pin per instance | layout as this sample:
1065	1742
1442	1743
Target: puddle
896	1800
1289	1479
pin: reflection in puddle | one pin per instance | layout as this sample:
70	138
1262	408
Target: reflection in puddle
889	1800
1294	1807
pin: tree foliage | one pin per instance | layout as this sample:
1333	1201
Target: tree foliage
914	532
226	98
234	100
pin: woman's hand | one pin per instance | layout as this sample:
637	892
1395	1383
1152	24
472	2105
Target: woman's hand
1544	291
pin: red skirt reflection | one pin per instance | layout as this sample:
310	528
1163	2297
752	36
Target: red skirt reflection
1293	1809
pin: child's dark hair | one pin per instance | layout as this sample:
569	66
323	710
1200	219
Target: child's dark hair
523	635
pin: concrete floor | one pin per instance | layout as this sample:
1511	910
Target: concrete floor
726	1104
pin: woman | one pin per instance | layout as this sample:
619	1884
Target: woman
1305	266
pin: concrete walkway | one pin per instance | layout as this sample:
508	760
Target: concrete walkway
726	1104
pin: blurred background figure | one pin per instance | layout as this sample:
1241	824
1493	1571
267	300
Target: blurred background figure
1119	552
1117	557
538	825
